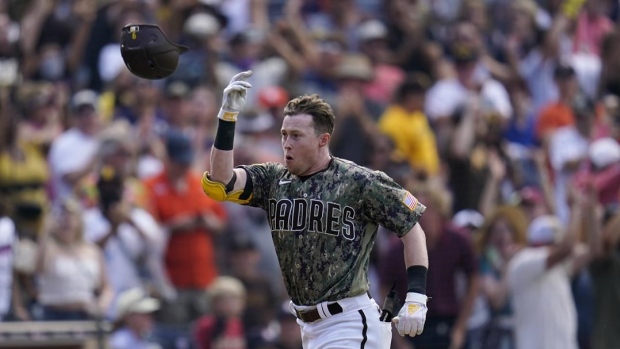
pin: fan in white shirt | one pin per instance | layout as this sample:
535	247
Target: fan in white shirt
72	155
132	240
539	283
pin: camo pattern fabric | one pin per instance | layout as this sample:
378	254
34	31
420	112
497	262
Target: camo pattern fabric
325	225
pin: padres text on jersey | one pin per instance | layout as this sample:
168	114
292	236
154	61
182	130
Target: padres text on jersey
332	215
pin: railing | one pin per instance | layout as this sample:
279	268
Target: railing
55	334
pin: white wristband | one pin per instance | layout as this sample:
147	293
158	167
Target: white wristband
228	115
416	297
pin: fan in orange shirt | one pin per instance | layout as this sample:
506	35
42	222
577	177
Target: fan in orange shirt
558	113
191	219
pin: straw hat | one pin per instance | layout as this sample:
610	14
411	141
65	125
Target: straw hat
135	301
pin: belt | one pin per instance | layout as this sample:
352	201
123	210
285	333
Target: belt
311	315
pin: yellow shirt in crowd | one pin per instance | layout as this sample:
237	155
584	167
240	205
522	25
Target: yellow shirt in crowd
23	186
413	137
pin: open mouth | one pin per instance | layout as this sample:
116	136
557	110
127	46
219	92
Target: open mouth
288	157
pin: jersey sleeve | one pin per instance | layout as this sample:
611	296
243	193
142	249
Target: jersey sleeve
262	177
390	205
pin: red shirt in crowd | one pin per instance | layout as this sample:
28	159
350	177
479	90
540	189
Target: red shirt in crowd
229	335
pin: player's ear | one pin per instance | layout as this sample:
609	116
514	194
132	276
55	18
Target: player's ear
324	139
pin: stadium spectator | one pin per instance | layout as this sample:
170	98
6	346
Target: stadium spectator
591	27
135	321
558	113
71	273
224	327
263	297
539	282
533	46
54	42
42	117
568	148
449	95
73	154
499	239
202	110
23	177
191	221
131	239
355	128
373	42
416	141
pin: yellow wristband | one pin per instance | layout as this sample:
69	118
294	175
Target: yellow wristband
228	115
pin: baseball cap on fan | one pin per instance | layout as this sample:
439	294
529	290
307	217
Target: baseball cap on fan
372	30
604	152
468	218
354	67
177	89
201	25
544	230
464	53
179	148
84	99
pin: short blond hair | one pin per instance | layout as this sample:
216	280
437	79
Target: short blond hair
226	285
321	112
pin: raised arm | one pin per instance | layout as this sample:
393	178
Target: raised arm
564	249
224	181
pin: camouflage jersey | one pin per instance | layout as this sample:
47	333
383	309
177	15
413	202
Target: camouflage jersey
324	226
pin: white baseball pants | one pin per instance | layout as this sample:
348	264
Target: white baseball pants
358	326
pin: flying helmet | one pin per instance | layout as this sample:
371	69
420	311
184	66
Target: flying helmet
148	53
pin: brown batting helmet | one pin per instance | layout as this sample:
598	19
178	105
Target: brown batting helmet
148	53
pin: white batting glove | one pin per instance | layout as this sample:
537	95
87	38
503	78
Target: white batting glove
233	100
411	317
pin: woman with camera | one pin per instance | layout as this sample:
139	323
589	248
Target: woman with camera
71	275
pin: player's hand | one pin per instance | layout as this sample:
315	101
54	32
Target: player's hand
234	96
411	318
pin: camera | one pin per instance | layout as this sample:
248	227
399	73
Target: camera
110	187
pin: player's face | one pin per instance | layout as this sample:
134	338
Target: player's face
301	144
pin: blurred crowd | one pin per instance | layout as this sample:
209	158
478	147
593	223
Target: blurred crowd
502	116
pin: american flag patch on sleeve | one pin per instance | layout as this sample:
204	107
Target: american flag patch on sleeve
410	201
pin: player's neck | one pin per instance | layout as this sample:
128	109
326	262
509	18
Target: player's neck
319	166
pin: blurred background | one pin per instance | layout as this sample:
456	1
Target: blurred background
502	116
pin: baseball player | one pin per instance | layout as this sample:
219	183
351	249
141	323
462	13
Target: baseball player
324	213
